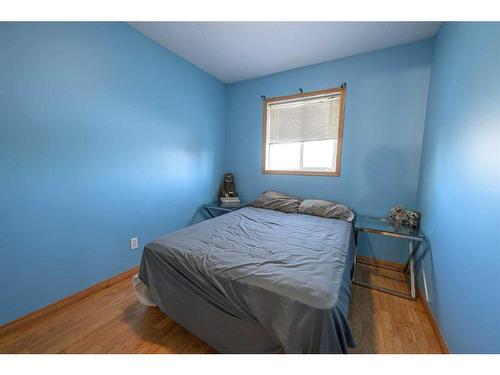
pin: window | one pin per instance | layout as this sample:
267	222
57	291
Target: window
303	133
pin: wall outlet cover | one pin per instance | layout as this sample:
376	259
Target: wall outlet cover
134	243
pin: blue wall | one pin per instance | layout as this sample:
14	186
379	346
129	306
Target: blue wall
104	136
459	189
384	122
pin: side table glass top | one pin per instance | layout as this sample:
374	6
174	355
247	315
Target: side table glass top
217	205
384	226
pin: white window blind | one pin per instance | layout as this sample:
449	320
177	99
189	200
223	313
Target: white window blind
303	133
304	120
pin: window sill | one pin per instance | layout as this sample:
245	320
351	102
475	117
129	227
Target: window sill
303	173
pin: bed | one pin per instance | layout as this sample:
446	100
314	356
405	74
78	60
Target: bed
256	281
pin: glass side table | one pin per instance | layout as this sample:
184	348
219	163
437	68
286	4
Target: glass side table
384	227
214	209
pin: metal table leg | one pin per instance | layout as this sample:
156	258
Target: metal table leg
208	213
353	272
411	246
409	273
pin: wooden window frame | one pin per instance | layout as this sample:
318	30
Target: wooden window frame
337	90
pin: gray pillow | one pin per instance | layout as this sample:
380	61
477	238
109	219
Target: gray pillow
273	200
329	209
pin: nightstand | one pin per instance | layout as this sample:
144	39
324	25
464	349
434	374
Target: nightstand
384	227
210	210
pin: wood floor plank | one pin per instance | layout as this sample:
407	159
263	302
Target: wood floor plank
383	323
111	320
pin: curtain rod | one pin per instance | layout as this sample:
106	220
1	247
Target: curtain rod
342	86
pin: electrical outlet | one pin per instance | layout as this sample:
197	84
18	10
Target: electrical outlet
134	243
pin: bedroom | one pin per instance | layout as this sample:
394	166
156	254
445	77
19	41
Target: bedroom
117	140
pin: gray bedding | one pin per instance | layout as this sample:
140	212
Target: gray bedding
257	281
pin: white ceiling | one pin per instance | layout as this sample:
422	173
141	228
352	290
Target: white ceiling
235	51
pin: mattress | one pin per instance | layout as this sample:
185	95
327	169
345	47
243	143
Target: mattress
257	281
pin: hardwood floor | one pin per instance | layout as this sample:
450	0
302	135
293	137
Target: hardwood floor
383	323
111	320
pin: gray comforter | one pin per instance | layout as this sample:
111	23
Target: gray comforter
257	281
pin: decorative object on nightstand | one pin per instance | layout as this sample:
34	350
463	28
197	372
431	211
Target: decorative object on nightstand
413	219
398	215
227	192
386	227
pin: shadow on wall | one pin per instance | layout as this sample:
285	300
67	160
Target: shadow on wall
385	176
